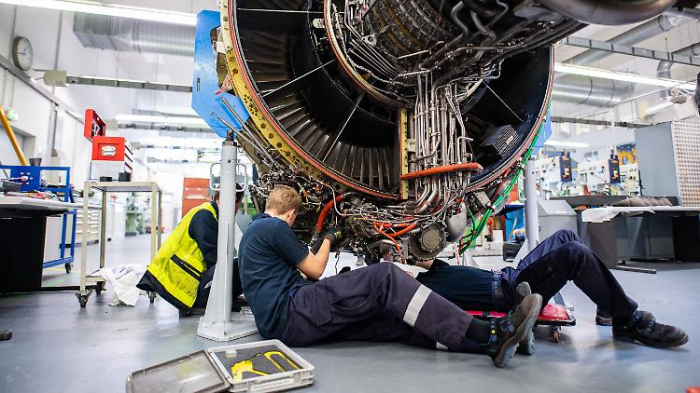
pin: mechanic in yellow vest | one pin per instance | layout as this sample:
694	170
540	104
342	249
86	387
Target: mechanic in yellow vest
183	269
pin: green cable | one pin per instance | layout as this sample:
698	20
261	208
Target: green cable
501	198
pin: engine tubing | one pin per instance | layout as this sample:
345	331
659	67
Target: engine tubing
324	212
467	166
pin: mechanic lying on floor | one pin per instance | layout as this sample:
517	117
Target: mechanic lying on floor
560	258
377	303
182	271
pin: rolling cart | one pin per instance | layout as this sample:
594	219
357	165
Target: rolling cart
107	187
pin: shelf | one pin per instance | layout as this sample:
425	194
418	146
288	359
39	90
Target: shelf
125	186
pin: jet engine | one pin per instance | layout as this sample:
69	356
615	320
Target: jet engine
402	121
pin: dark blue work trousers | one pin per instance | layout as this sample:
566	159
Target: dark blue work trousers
557	260
560	258
379	303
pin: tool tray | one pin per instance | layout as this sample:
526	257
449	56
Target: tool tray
284	369
271	367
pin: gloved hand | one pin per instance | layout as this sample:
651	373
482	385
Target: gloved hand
333	234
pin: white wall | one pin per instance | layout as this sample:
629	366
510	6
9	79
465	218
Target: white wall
56	47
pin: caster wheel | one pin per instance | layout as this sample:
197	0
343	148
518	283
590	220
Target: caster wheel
82	299
69	267
99	287
152	297
556	335
527	346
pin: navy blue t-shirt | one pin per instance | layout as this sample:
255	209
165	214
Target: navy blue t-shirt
466	286
268	258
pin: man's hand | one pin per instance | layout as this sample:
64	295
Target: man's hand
333	235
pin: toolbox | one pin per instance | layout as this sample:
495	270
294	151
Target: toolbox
264	366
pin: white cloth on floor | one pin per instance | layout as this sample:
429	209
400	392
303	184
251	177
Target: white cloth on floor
123	279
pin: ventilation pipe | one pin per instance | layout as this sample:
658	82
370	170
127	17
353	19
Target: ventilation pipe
669	21
131	35
609	12
584	90
664	68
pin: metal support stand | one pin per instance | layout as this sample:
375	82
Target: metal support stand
217	323
532	224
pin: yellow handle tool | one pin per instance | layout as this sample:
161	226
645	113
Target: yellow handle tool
246	366
270	354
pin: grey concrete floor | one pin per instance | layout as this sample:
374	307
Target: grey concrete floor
58	347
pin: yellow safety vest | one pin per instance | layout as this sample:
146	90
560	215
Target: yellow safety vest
179	264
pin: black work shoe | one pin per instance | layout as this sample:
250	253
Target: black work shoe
5	335
192	312
603	319
643	328
509	331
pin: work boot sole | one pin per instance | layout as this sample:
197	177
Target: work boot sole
527	345
626	337
603	321
511	345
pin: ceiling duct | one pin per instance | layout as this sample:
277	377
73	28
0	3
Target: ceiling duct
605	93
669	21
584	90
131	35
664	68
609	12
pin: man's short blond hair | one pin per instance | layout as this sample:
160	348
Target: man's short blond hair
283	199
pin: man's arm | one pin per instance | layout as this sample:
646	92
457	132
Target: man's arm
204	230
314	265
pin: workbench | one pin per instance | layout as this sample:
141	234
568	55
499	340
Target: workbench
11	206
620	234
23	228
156	228
605	214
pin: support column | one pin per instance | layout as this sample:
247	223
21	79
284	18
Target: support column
532	224
216	324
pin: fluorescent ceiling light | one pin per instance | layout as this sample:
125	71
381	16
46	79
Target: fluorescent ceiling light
570	145
118	10
621	76
174	120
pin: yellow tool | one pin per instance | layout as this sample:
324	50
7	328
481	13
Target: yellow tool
246	366
11	135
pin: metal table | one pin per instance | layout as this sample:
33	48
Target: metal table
107	187
28	248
